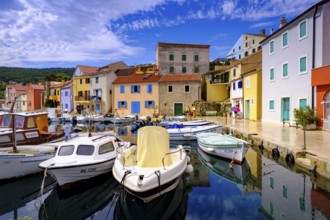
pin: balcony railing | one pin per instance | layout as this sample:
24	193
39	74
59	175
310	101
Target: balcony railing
88	98
215	81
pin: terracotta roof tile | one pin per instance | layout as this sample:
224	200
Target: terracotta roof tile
163	44
87	69
181	77
137	79
125	72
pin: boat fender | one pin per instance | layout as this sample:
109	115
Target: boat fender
188	159
290	158
140	179
189	168
275	153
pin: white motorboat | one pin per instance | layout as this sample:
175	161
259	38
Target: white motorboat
178	132
23	160
118	119
197	122
82	157
150	168
222	145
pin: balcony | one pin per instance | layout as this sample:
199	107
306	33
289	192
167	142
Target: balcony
54	98
88	98
219	81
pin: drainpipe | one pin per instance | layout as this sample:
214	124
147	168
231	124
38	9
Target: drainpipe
313	55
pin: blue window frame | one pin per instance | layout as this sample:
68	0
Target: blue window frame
122	104
135	89
149	88
122	89
149	104
240	84
97	79
234	86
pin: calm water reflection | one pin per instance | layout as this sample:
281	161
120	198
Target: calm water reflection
258	189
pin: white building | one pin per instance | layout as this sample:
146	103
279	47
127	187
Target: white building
288	56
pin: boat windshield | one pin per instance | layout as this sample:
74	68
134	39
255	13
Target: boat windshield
5	120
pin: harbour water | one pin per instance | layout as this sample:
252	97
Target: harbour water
260	188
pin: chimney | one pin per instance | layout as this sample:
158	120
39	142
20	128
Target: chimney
283	22
271	30
263	32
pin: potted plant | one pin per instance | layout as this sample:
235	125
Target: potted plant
307	118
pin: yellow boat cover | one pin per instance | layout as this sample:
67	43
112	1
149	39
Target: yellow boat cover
153	143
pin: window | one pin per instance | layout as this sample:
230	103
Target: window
171	56
196	69
66	150
271	182
253	50
247	82
184	57
285	39
196	58
80	81
302	204
135	89
85	150
327	105
285	73
239	84
66	93
302	30
246	44
149	104
105	148
246	53
234	72
31	123
271	105
87	81
66	106
122	89
186	88
271	74
239	48
285	191
149	88
234	86
239	56
80	93
271	47
184	69
171	69
303	65
234	50
97	79
122	104
170	89
302	103
253	41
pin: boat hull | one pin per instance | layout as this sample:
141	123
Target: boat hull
189	133
236	154
13	166
66	175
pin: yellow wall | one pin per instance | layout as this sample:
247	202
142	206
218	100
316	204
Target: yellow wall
80	87
215	92
140	97
254	92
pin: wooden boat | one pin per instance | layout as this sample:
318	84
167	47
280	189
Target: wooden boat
82	157
23	160
30	128
151	168
178	132
222	145
80	202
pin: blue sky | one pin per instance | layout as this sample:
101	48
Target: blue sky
67	33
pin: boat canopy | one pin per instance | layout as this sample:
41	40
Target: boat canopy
153	143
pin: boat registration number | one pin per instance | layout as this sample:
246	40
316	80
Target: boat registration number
88	170
31	134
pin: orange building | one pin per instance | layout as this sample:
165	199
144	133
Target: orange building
34	96
321	81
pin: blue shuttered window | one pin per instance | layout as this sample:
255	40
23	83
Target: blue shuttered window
234	86
149	88
240	85
122	104
135	89
122	89
149	104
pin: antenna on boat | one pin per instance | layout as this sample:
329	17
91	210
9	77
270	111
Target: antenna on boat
14	125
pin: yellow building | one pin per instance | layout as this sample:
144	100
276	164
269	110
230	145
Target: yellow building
218	84
136	94
252	87
55	94
81	87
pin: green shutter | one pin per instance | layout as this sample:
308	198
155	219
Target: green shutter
285	40
184	69
302	103
196	58
303	67
183	57
285	70
271	74
271	47
171	69
171	56
271	105
303	29
285	192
